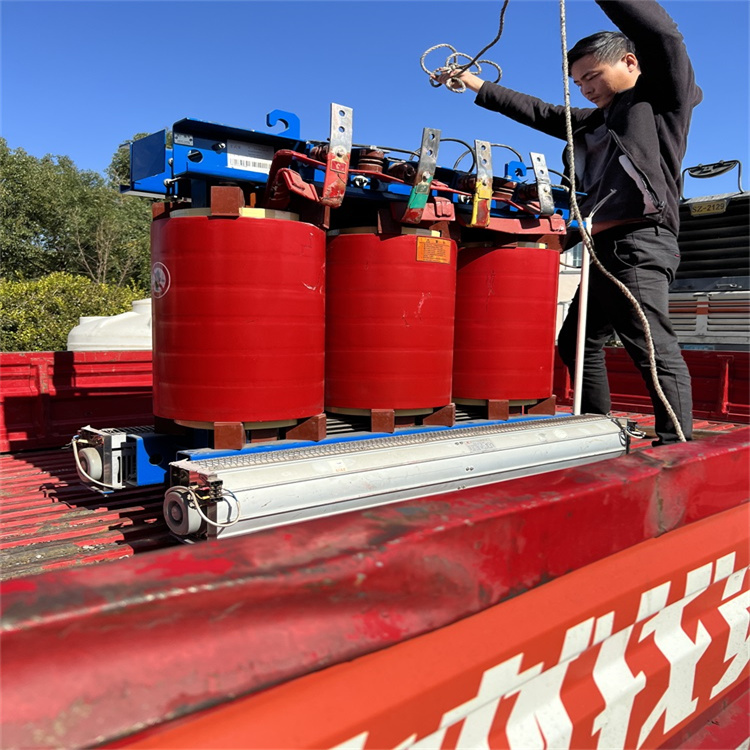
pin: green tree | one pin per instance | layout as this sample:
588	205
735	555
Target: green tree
37	315
56	217
26	246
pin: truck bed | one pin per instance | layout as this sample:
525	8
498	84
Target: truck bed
391	627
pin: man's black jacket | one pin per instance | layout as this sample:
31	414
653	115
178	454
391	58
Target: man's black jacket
648	122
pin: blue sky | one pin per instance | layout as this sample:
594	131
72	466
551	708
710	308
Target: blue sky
78	78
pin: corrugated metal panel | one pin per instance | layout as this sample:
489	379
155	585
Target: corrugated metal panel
720	380
48	519
715	244
47	396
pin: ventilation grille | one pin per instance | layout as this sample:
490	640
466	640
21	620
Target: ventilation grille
715	244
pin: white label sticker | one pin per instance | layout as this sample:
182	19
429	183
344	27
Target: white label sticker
252	157
160	280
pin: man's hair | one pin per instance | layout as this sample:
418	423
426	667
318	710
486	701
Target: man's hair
606	46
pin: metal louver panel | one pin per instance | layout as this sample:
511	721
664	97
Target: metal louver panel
715	244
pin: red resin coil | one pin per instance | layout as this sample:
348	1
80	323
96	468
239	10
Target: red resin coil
506	302
389	321
239	318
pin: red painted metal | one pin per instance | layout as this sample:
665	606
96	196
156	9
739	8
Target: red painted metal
506	298
337	173
626	652
239	316
158	636
725	725
389	321
49	520
45	397
721	384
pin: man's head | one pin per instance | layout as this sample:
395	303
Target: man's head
602	65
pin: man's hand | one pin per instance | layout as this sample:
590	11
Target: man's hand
472	82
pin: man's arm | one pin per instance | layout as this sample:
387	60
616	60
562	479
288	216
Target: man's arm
660	49
528	110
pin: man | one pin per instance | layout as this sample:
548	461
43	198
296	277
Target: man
642	85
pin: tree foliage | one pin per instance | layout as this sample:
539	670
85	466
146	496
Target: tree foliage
71	245
56	217
37	315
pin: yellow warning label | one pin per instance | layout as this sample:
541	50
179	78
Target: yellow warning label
433	250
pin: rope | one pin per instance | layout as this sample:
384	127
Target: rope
589	242
451	63
497	37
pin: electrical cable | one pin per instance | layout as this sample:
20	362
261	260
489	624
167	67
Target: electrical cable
219	525
492	145
589	242
495	40
83	472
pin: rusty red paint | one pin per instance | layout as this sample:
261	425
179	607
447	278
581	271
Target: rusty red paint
482	213
456	677
525	224
50	520
412	215
161	635
334	183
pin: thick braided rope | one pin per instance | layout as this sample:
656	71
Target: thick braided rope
589	242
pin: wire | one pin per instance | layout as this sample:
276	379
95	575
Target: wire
589	242
382	148
83	472
561	176
492	145
219	525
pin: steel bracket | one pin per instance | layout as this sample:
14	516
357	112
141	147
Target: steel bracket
426	166
339	156
544	187
482	198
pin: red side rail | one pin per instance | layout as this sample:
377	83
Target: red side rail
721	384
45	397
633	651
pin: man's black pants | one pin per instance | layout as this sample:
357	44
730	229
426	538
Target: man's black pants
645	259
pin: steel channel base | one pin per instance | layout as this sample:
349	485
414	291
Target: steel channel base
263	490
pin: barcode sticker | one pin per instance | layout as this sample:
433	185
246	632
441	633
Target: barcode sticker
252	157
